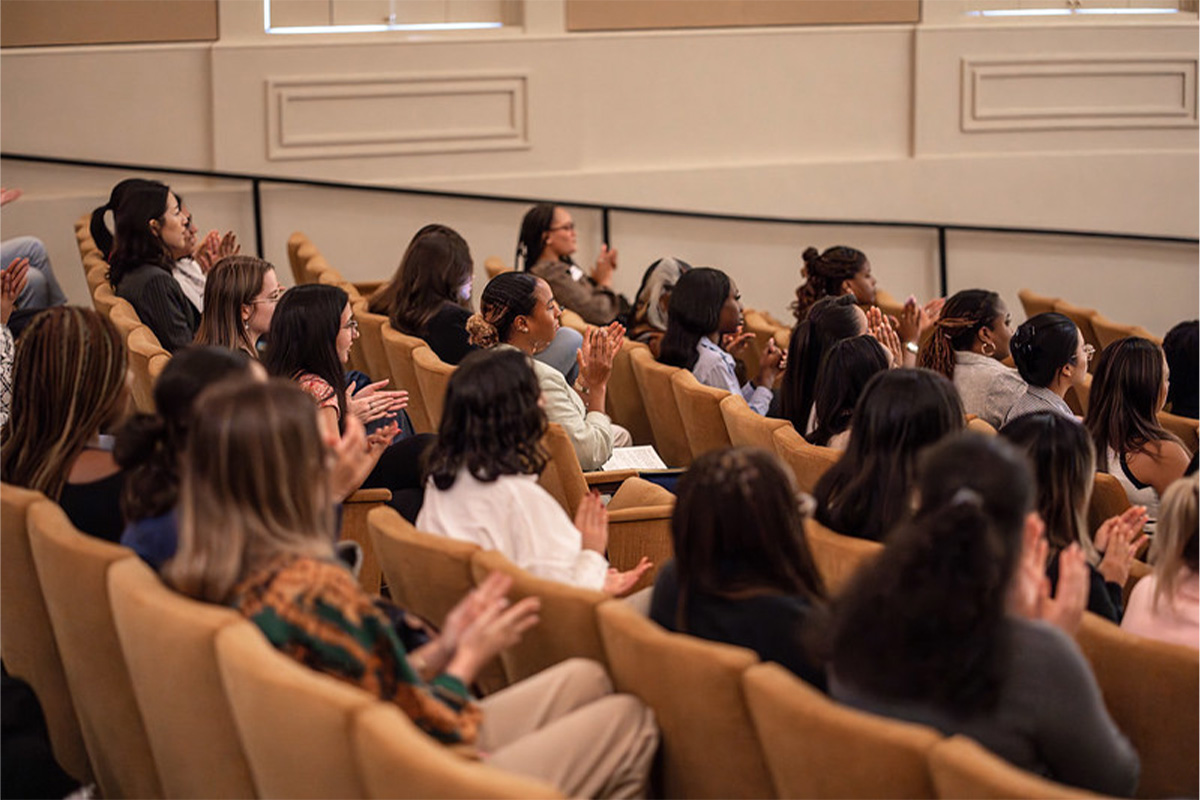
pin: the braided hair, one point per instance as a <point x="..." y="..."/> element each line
<point x="824" y="274"/>
<point x="956" y="328"/>
<point x="507" y="296"/>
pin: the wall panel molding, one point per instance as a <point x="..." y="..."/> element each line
<point x="1093" y="92"/>
<point x="385" y="115"/>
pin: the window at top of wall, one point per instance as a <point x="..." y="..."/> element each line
<point x="377" y="16"/>
<point x="1094" y="9"/>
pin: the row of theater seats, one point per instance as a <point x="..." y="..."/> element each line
<point x="154" y="695"/>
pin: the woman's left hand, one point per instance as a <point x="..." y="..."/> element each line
<point x="881" y="328"/>
<point x="371" y="403"/>
<point x="736" y="343"/>
<point x="606" y="264"/>
<point x="618" y="583"/>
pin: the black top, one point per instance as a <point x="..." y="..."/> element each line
<point x="771" y="625"/>
<point x="161" y="305"/>
<point x="95" y="507"/>
<point x="1104" y="598"/>
<point x="446" y="333"/>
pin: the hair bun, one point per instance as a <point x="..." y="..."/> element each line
<point x="809" y="254"/>
<point x="139" y="439"/>
<point x="481" y="332"/>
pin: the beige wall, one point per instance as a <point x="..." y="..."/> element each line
<point x="1078" y="125"/>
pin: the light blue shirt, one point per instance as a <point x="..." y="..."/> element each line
<point x="714" y="367"/>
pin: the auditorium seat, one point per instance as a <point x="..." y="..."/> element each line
<point x="700" y="412"/>
<point x="837" y="556"/>
<point x="964" y="770"/>
<point x="747" y="428"/>
<point x="398" y="349"/>
<point x="433" y="376"/>
<point x="658" y="398"/>
<point x="808" y="462"/>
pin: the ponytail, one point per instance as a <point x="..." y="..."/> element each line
<point x="824" y="273"/>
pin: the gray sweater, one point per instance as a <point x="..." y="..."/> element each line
<point x="1050" y="718"/>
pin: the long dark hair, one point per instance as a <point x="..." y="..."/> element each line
<point x="531" y="241"/>
<point x="830" y="320"/>
<point x="1044" y="344"/>
<point x="1182" y="348"/>
<point x="101" y="235"/>
<point x="492" y="424"/>
<point x="926" y="622"/>
<point x="738" y="531"/>
<point x="957" y="326"/>
<point x="434" y="268"/>
<point x="845" y="371"/>
<point x="694" y="312"/>
<point x="149" y="445"/>
<point x="900" y="413"/>
<point x="507" y="296"/>
<point x="303" y="337"/>
<point x="136" y="243"/>
<point x="824" y="274"/>
<point x="1123" y="403"/>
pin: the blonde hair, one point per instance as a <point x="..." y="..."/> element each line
<point x="69" y="376"/>
<point x="254" y="487"/>
<point x="1175" y="539"/>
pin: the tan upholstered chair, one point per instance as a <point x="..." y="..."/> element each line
<point x="978" y="425"/>
<point x="169" y="643"/>
<point x="564" y="479"/>
<point x="572" y="320"/>
<point x="658" y="398"/>
<point x="1108" y="331"/>
<point x="494" y="265"/>
<point x="427" y="574"/>
<point x="764" y="329"/>
<point x="709" y="747"/>
<point x="26" y="639"/>
<point x="103" y="299"/>
<point x="300" y="250"/>
<point x="73" y="569"/>
<point x="567" y="625"/>
<point x="818" y="748"/>
<point x="1108" y="500"/>
<point x="746" y="428"/>
<point x="1082" y="317"/>
<point x="700" y="411"/>
<point x="963" y="769"/>
<point x="370" y="328"/>
<point x="398" y="349"/>
<point x="808" y="462"/>
<point x="1185" y="428"/>
<point x="433" y="375"/>
<point x="293" y="721"/>
<point x="838" y="557"/>
<point x="124" y="317"/>
<point x="1152" y="690"/>
<point x="396" y="759"/>
<point x="1077" y="396"/>
<point x="624" y="400"/>
<point x="158" y="362"/>
<point x="355" y="510"/>
<point x="143" y="347"/>
<point x="888" y="303"/>
<point x="1034" y="303"/>
<point x="95" y="270"/>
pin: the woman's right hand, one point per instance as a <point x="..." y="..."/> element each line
<point x="496" y="626"/>
<point x="1065" y="609"/>
<point x="619" y="583"/>
<point x="595" y="357"/>
<point x="1119" y="540"/>
<point x="592" y="521"/>
<point x="606" y="263"/>
<point x="370" y="403"/>
<point x="770" y="364"/>
<point x="881" y="328"/>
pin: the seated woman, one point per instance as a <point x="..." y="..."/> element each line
<point x="649" y="321"/>
<point x="69" y="390"/>
<point x="705" y="306"/>
<point x="1051" y="357"/>
<point x="1181" y="346"/>
<point x="1128" y="390"/>
<point x="240" y="294"/>
<point x="969" y="340"/>
<point x="949" y="627"/>
<point x="1166" y="604"/>
<point x="545" y="247"/>
<point x="845" y="371"/>
<point x="483" y="472"/>
<point x="518" y="310"/>
<point x="151" y="232"/>
<point x="1064" y="467"/>
<point x="311" y="334"/>
<point x="742" y="572"/>
<point x="900" y="413"/>
<point x="256" y="519"/>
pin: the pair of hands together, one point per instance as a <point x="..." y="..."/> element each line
<point x="591" y="519"/>
<point x="595" y="356"/>
<point x="771" y="363"/>
<point x="12" y="283"/>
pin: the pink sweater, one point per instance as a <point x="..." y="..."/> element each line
<point x="1175" y="620"/>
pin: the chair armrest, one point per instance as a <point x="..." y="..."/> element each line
<point x="369" y="496"/>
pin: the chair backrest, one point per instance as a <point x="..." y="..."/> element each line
<point x="808" y="462"/>
<point x="624" y="401"/>
<point x="1108" y="331"/>
<point x="961" y="768"/>
<point x="125" y="317"/>
<point x="1185" y="428"/>
<point x="700" y="411"/>
<point x="433" y="375"/>
<point x="567" y="626"/>
<point x="746" y="428"/>
<point x="370" y="326"/>
<point x="1034" y="303"/>
<point x="1152" y="691"/>
<point x="1082" y="317"/>
<point x="816" y="747"/>
<point x="838" y="557"/>
<point x="158" y="362"/>
<point x="1108" y="500"/>
<point x="83" y="237"/>
<point x="1078" y="394"/>
<point x="355" y="510"/>
<point x="562" y="477"/>
<point x="396" y="759"/>
<point x="299" y="249"/>
<point x="658" y="398"/>
<point x="426" y="573"/>
<point x="978" y="425"/>
<point x="709" y="747"/>
<point x="26" y="638"/>
<point x="143" y="346"/>
<point x="293" y="721"/>
<point x="494" y="265"/>
<point x="398" y="349"/>
<point x="170" y="647"/>
<point x="103" y="298"/>
<point x="73" y="568"/>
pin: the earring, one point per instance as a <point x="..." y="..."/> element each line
<point x="989" y="352"/>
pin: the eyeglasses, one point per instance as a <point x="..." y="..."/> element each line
<point x="352" y="325"/>
<point x="1088" y="351"/>
<point x="570" y="226"/>
<point x="273" y="297"/>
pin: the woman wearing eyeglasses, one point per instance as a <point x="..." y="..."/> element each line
<point x="312" y="331"/>
<point x="1051" y="356"/>
<point x="545" y="248"/>
<point x="240" y="295"/>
